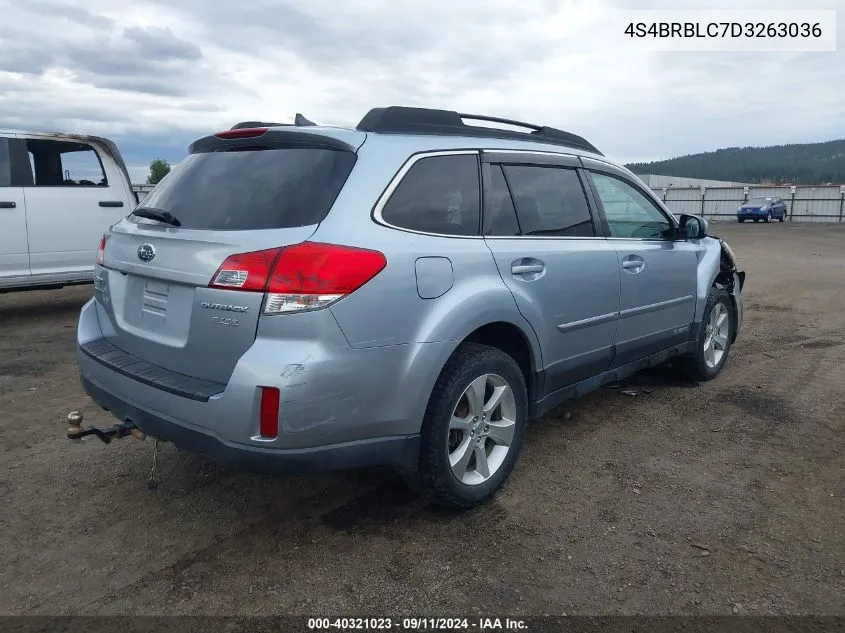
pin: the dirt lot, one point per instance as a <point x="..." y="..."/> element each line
<point x="718" y="498"/>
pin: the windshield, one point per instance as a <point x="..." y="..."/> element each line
<point x="758" y="202"/>
<point x="255" y="189"/>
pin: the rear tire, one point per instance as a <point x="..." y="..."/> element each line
<point x="468" y="448"/>
<point x="740" y="220"/>
<point x="756" y="220"/>
<point x="717" y="331"/>
<point x="782" y="218"/>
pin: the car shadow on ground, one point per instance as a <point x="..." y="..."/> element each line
<point x="26" y="304"/>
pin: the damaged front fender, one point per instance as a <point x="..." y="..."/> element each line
<point x="731" y="279"/>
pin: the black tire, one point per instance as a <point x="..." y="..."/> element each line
<point x="756" y="220"/>
<point x="435" y="475"/>
<point x="782" y="218"/>
<point x="740" y="220"/>
<point x="695" y="367"/>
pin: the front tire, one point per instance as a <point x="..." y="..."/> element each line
<point x="740" y="220"/>
<point x="714" y="339"/>
<point x="473" y="428"/>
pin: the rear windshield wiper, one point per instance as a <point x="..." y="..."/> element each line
<point x="157" y="214"/>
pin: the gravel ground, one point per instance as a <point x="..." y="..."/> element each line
<point x="718" y="498"/>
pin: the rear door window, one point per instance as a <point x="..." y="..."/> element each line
<point x="549" y="201"/>
<point x="64" y="164"/>
<point x="252" y="189"/>
<point x="439" y="194"/>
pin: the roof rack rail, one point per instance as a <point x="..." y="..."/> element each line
<point x="298" y="121"/>
<point x="406" y="120"/>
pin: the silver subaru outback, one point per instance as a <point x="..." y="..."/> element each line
<point x="409" y="293"/>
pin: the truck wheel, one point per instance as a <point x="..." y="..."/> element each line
<point x="714" y="339"/>
<point x="473" y="427"/>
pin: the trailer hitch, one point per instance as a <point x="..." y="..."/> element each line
<point x="106" y="435"/>
<point x="114" y="432"/>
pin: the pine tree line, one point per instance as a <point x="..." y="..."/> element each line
<point x="798" y="164"/>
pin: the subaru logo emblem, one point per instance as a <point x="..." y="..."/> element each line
<point x="146" y="252"/>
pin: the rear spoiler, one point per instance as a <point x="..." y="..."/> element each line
<point x="298" y="121"/>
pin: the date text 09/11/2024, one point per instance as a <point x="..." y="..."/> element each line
<point x="417" y="624"/>
<point x="724" y="29"/>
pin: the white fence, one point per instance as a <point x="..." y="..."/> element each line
<point x="142" y="191"/>
<point x="803" y="204"/>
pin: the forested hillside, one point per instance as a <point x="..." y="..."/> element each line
<point x="810" y="163"/>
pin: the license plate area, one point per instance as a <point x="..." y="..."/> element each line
<point x="155" y="310"/>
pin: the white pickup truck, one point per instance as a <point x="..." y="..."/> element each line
<point x="58" y="194"/>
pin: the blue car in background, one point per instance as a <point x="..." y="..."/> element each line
<point x="766" y="209"/>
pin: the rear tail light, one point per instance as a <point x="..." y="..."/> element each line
<point x="246" y="271"/>
<point x="307" y="276"/>
<point x="101" y="251"/>
<point x="268" y="423"/>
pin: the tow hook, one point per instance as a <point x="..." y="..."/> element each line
<point x="114" y="432"/>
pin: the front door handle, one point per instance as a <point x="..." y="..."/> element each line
<point x="111" y="203"/>
<point x="8" y="205"/>
<point x="524" y="269"/>
<point x="633" y="264"/>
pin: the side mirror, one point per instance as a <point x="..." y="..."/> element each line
<point x="692" y="227"/>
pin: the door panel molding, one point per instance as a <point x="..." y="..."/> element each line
<point x="583" y="323"/>
<point x="653" y="307"/>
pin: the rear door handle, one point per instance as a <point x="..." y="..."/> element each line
<point x="525" y="269"/>
<point x="111" y="203"/>
<point x="633" y="264"/>
<point x="8" y="205"/>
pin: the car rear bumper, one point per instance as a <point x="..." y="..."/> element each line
<point x="400" y="452"/>
<point x="331" y="413"/>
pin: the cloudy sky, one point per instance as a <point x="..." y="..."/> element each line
<point x="155" y="74"/>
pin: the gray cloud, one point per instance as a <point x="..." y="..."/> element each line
<point x="68" y="12"/>
<point x="384" y="34"/>
<point x="144" y="84"/>
<point x="159" y="43"/>
<point x="97" y="51"/>
<point x="24" y="59"/>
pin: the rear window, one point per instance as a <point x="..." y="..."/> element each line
<point x="253" y="189"/>
<point x="439" y="194"/>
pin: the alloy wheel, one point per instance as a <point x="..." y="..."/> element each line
<point x="716" y="335"/>
<point x="481" y="430"/>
